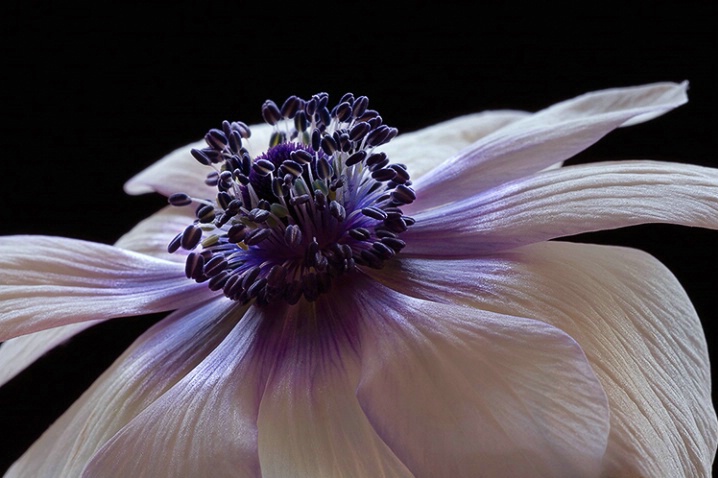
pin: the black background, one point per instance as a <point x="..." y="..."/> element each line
<point x="93" y="94"/>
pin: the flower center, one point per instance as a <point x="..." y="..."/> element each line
<point x="318" y="204"/>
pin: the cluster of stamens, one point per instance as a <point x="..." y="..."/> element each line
<point x="319" y="203"/>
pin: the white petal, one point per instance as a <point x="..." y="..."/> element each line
<point x="205" y="425"/>
<point x="545" y="138"/>
<point x="149" y="237"/>
<point x="53" y="281"/>
<point x="424" y="149"/>
<point x="310" y="422"/>
<point x="18" y="353"/>
<point x="456" y="391"/>
<point x="152" y="236"/>
<point x="176" y="172"/>
<point x="179" y="172"/>
<point x="633" y="320"/>
<point x="152" y="365"/>
<point x="569" y="201"/>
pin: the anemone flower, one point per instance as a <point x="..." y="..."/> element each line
<point x="335" y="316"/>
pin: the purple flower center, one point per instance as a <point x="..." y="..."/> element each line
<point x="318" y="204"/>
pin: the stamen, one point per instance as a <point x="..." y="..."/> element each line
<point x="319" y="203"/>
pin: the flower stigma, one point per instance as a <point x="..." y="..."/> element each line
<point x="319" y="203"/>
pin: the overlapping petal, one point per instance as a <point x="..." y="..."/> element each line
<point x="456" y="391"/>
<point x="569" y="201"/>
<point x="542" y="139"/>
<point x="205" y="424"/>
<point x="481" y="351"/>
<point x="155" y="363"/>
<point x="424" y="149"/>
<point x="310" y="422"/>
<point x="632" y="319"/>
<point x="53" y="281"/>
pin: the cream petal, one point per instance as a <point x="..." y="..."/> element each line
<point x="204" y="425"/>
<point x="18" y="353"/>
<point x="53" y="281"/>
<point x="152" y="236"/>
<point x="180" y="172"/>
<point x="632" y="319"/>
<point x="152" y="365"/>
<point x="310" y="422"/>
<point x="424" y="149"/>
<point x="456" y="391"/>
<point x="568" y="201"/>
<point x="176" y="172"/>
<point x="545" y="138"/>
<point x="149" y="237"/>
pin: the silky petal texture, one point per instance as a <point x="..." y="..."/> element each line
<point x="460" y="392"/>
<point x="205" y="425"/>
<point x="18" y="353"/>
<point x="149" y="237"/>
<point x="545" y="138"/>
<point x="152" y="235"/>
<point x="569" y="201"/>
<point x="310" y="422"/>
<point x="157" y="360"/>
<point x="633" y="320"/>
<point x="53" y="281"/>
<point x="424" y="149"/>
<point x="179" y="172"/>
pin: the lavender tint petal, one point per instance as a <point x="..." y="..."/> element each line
<point x="462" y="392"/>
<point x="53" y="281"/>
<point x="545" y="138"/>
<point x="310" y="422"/>
<point x="428" y="147"/>
<point x="569" y="201"/>
<point x="205" y="424"/>
<point x="149" y="237"/>
<point x="152" y="365"/>
<point x="632" y="319"/>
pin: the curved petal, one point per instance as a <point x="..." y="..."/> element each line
<point x="152" y="365"/>
<point x="18" y="353"/>
<point x="424" y="149"/>
<point x="149" y="237"/>
<point x="545" y="138"/>
<point x="204" y="425"/>
<point x="632" y="319"/>
<point x="460" y="392"/>
<point x="569" y="201"/>
<point x="152" y="236"/>
<point x="180" y="172"/>
<point x="310" y="422"/>
<point x="52" y="281"/>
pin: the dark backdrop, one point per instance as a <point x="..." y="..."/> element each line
<point x="92" y="95"/>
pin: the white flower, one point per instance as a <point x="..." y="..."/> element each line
<point x="465" y="344"/>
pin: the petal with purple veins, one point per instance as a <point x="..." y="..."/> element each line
<point x="543" y="139"/>
<point x="568" y="201"/>
<point x="155" y="363"/>
<point x="53" y="281"/>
